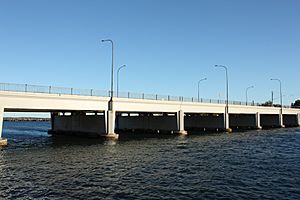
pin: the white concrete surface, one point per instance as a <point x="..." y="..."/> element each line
<point x="21" y="101"/>
<point x="258" y="125"/>
<point x="180" y="123"/>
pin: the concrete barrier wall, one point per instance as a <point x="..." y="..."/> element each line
<point x="208" y="121"/>
<point x="242" y="121"/>
<point x="165" y="123"/>
<point x="290" y="120"/>
<point x="80" y="123"/>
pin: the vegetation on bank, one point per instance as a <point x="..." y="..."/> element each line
<point x="296" y="104"/>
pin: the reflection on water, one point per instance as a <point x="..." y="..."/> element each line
<point x="250" y="165"/>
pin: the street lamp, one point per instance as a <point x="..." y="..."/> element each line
<point x="247" y="93"/>
<point x="118" y="79"/>
<point x="226" y="109"/>
<point x="199" y="84"/>
<point x="275" y="79"/>
<point x="112" y="73"/>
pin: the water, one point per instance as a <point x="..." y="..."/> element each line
<point x="250" y="165"/>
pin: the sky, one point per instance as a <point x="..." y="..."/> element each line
<point x="167" y="45"/>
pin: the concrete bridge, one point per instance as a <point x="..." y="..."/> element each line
<point x="87" y="111"/>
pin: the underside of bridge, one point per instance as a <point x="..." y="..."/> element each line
<point x="270" y="121"/>
<point x="90" y="124"/>
<point x="243" y="121"/>
<point x="146" y="122"/>
<point x="291" y="120"/>
<point x="204" y="122"/>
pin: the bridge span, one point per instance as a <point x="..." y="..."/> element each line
<point x="89" y="114"/>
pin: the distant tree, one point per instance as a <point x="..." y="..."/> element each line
<point x="296" y="104"/>
<point x="270" y="104"/>
<point x="267" y="103"/>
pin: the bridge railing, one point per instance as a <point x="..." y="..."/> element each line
<point x="102" y="93"/>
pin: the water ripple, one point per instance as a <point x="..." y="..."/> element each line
<point x="248" y="165"/>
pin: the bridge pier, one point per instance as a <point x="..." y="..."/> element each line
<point x="3" y="141"/>
<point x="226" y="123"/>
<point x="110" y="125"/>
<point x="257" y="117"/>
<point x="180" y="123"/>
<point x="281" y="122"/>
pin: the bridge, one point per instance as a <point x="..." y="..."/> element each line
<point x="87" y="112"/>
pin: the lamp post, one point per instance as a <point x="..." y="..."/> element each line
<point x="112" y="73"/>
<point x="198" y="86"/>
<point x="280" y="116"/>
<point x="118" y="78"/>
<point x="111" y="115"/>
<point x="226" y="109"/>
<point x="247" y="93"/>
<point x="280" y="92"/>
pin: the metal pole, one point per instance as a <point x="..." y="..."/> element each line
<point x="198" y="86"/>
<point x="226" y="85"/>
<point x="272" y="98"/>
<point x="275" y="79"/>
<point x="112" y="73"/>
<point x="247" y="93"/>
<point x="226" y="109"/>
<point x="118" y="79"/>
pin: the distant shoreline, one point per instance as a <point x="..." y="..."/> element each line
<point x="25" y="119"/>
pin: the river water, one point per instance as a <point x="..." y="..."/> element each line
<point x="243" y="165"/>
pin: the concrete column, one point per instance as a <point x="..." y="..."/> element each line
<point x="298" y="119"/>
<point x="3" y="141"/>
<point x="110" y="125"/>
<point x="281" y="121"/>
<point x="258" y="126"/>
<point x="226" y="123"/>
<point x="180" y="123"/>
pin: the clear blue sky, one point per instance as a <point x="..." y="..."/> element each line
<point x="167" y="45"/>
